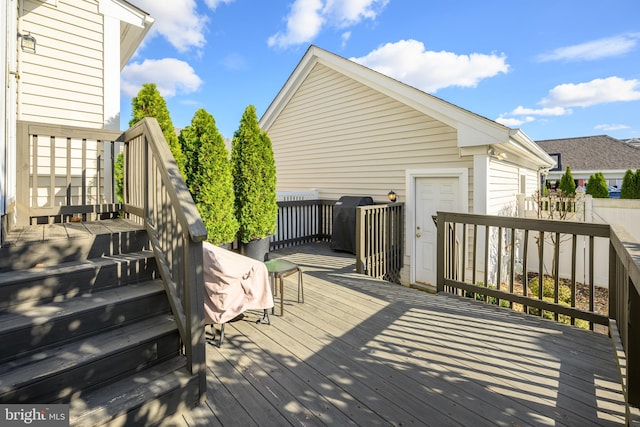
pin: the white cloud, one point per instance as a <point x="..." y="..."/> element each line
<point x="213" y="4"/>
<point x="177" y="21"/>
<point x="551" y="111"/>
<point x="409" y="62"/>
<point x="170" y="75"/>
<point x="514" y="122"/>
<point x="345" y="13"/>
<point x="562" y="97"/>
<point x="308" y="17"/>
<point x="598" y="91"/>
<point x="345" y="38"/>
<point x="611" y="127"/>
<point x="303" y="24"/>
<point x="595" y="49"/>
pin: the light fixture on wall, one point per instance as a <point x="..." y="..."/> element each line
<point x="496" y="154"/>
<point x="392" y="196"/>
<point x="27" y="42"/>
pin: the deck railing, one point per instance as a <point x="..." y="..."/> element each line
<point x="379" y="240"/>
<point x="504" y="260"/>
<point x="156" y="194"/>
<point x="302" y="221"/>
<point x="64" y="173"/>
<point x="378" y="233"/>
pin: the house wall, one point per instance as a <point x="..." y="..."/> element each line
<point x="8" y="74"/>
<point x="506" y="180"/>
<point x="62" y="82"/>
<point x="341" y="137"/>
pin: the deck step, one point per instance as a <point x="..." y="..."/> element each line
<point x="52" y="244"/>
<point x="38" y="327"/>
<point x="57" y="374"/>
<point x="85" y="320"/>
<point x="37" y="285"/>
<point x="146" y="399"/>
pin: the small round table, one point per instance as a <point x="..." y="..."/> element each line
<point x="278" y="270"/>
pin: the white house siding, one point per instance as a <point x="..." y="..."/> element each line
<point x="62" y="82"/>
<point x="504" y="185"/>
<point x="340" y="137"/>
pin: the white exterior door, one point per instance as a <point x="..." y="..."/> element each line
<point x="432" y="195"/>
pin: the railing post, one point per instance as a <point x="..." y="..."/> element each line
<point x="360" y="238"/>
<point x="195" y="314"/>
<point x="22" y="202"/>
<point x="441" y="253"/>
<point x="633" y="344"/>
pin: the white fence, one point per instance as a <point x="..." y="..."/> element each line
<point x="583" y="208"/>
<point x="288" y="196"/>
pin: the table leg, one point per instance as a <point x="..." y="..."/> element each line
<point x="281" y="296"/>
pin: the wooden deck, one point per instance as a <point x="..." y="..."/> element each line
<point x="361" y="351"/>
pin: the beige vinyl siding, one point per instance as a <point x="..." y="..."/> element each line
<point x="341" y="137"/>
<point x="504" y="185"/>
<point x="532" y="182"/>
<point x="62" y="82"/>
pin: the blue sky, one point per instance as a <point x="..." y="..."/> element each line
<point x="553" y="68"/>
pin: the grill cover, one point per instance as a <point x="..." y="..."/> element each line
<point x="343" y="234"/>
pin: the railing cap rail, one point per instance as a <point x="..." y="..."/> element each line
<point x="546" y="225"/>
<point x="628" y="250"/>
<point x="39" y="128"/>
<point x="188" y="214"/>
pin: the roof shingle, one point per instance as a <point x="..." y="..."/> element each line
<point x="599" y="152"/>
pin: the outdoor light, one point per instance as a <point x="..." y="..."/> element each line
<point x="392" y="196"/>
<point x="27" y="42"/>
<point x="497" y="154"/>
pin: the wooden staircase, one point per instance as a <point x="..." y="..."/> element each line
<point x="85" y="320"/>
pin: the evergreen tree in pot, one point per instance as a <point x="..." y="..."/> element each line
<point x="149" y="103"/>
<point x="208" y="177"/>
<point x="254" y="183"/>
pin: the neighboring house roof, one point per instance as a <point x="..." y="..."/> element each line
<point x="472" y="129"/>
<point x="593" y="153"/>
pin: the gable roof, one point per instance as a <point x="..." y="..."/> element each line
<point x="599" y="152"/>
<point x="473" y="130"/>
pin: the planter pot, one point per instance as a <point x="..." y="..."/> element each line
<point x="256" y="249"/>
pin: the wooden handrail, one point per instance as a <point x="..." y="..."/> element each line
<point x="188" y="214"/>
<point x="624" y="311"/>
<point x="156" y="193"/>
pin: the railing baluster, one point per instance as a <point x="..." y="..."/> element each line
<point x="541" y="270"/>
<point x="556" y="275"/>
<point x="525" y="276"/>
<point x="573" y="274"/>
<point x="591" y="282"/>
<point x="486" y="261"/>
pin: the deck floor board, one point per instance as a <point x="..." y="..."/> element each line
<point x="362" y="351"/>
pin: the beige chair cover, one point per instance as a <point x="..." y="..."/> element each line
<point x="233" y="283"/>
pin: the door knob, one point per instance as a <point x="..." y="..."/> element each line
<point x="418" y="235"/>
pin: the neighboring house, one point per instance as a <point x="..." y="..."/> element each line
<point x="344" y="129"/>
<point x="62" y="66"/>
<point x="590" y="154"/>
